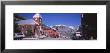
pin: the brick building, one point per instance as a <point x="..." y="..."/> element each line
<point x="36" y="27"/>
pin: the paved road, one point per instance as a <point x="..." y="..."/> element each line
<point x="47" y="38"/>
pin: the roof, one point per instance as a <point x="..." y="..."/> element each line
<point x="24" y="22"/>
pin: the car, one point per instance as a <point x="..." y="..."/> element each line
<point x="19" y="36"/>
<point x="78" y="34"/>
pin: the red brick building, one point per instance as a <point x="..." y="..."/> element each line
<point x="36" y="27"/>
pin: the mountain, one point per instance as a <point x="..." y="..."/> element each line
<point x="72" y="27"/>
<point x="45" y="26"/>
<point x="65" y="31"/>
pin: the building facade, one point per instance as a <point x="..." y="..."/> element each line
<point x="89" y="25"/>
<point x="34" y="27"/>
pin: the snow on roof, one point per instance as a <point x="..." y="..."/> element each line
<point x="28" y="21"/>
<point x="37" y="15"/>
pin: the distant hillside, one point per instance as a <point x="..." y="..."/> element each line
<point x="64" y="30"/>
<point x="68" y="31"/>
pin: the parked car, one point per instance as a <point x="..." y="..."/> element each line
<point x="78" y="34"/>
<point x="19" y="36"/>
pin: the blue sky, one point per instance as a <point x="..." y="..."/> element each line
<point x="52" y="19"/>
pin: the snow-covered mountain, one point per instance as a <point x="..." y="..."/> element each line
<point x="64" y="26"/>
<point x="72" y="27"/>
<point x="64" y="30"/>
